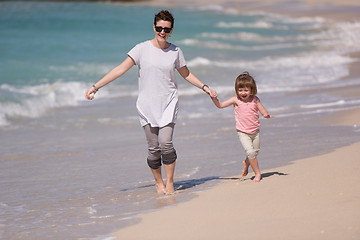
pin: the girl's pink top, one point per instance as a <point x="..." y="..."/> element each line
<point x="247" y="116"/>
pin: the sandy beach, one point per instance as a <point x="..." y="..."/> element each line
<point x="312" y="198"/>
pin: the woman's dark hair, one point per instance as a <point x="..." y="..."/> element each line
<point x="164" y="15"/>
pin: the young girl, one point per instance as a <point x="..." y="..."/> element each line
<point x="246" y="106"/>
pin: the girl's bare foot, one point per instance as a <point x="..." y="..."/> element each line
<point x="245" y="170"/>
<point x="255" y="166"/>
<point x="257" y="178"/>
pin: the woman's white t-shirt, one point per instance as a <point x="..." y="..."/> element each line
<point x="157" y="102"/>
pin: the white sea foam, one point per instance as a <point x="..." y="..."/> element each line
<point x="88" y="68"/>
<point x="332" y="104"/>
<point x="34" y="101"/>
<point x="227" y="46"/>
<point x="109" y="238"/>
<point x="285" y="73"/>
<point x="242" y="36"/>
<point x="257" y="24"/>
<point x="344" y="36"/>
<point x="341" y="37"/>
<point x="218" y="8"/>
<point x="253" y="37"/>
<point x="189" y="173"/>
<point x="310" y="22"/>
<point x="316" y="22"/>
<point x="306" y="60"/>
<point x="91" y="210"/>
<point x="315" y="111"/>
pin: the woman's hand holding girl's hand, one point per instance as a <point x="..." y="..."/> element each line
<point x="89" y="94"/>
<point x="211" y="92"/>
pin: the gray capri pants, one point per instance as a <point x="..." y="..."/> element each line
<point x="251" y="143"/>
<point x="160" y="146"/>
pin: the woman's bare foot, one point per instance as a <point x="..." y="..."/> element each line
<point x="245" y="170"/>
<point x="169" y="172"/>
<point x="169" y="189"/>
<point x="160" y="188"/>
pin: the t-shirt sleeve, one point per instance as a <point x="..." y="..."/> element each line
<point x="180" y="61"/>
<point x="134" y="53"/>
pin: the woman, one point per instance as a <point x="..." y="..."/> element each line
<point x="157" y="102"/>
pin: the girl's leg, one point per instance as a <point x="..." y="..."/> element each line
<point x="251" y="144"/>
<point x="246" y="165"/>
<point x="168" y="154"/>
<point x="255" y="166"/>
<point x="254" y="163"/>
<point x="154" y="157"/>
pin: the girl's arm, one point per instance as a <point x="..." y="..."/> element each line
<point x="262" y="109"/>
<point x="111" y="76"/>
<point x="191" y="78"/>
<point x="226" y="103"/>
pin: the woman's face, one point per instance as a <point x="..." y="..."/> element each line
<point x="162" y="30"/>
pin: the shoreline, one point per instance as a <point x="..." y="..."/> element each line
<point x="293" y="201"/>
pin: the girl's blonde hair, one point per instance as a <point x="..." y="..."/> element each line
<point x="245" y="80"/>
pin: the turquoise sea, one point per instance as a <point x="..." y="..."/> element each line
<point x="76" y="169"/>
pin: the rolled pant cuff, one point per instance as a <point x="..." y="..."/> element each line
<point x="154" y="164"/>
<point x="169" y="158"/>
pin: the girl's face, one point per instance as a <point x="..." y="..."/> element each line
<point x="244" y="93"/>
<point x="162" y="30"/>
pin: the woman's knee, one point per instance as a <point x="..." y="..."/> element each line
<point x="155" y="161"/>
<point x="166" y="147"/>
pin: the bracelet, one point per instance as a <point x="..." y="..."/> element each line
<point x="96" y="89"/>
<point x="204" y="87"/>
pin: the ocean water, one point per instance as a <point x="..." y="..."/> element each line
<point x="76" y="169"/>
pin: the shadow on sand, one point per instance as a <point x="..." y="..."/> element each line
<point x="187" y="184"/>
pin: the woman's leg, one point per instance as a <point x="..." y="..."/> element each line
<point x="169" y="173"/>
<point x="154" y="156"/>
<point x="159" y="183"/>
<point x="168" y="155"/>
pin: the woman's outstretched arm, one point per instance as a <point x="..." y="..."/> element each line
<point x="111" y="76"/>
<point x="191" y="78"/>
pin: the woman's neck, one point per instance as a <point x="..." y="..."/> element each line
<point x="161" y="45"/>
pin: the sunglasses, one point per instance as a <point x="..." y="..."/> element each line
<point x="166" y="29"/>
